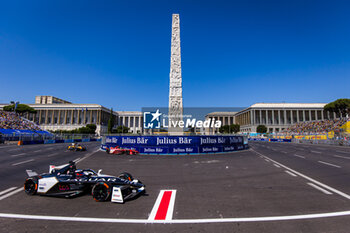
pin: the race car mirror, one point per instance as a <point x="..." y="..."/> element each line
<point x="99" y="172"/>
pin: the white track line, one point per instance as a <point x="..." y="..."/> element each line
<point x="178" y="221"/>
<point x="37" y="151"/>
<point x="26" y="161"/>
<point x="300" y="156"/>
<point x="329" y="164"/>
<point x="338" y="156"/>
<point x="7" y="190"/>
<point x="11" y="193"/>
<point x="342" y="151"/>
<point x="76" y="160"/>
<point x="18" y="155"/>
<point x="318" y="152"/>
<point x="87" y="156"/>
<point x="267" y="160"/>
<point x="14" y="149"/>
<point x="50" y="155"/>
<point x="308" y="178"/>
<point x="319" y="188"/>
<point x="290" y="173"/>
<point x="276" y="165"/>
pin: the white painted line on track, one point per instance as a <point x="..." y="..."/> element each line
<point x="50" y="155"/>
<point x="300" y="156"/>
<point x="290" y="173"/>
<point x="178" y="221"/>
<point x="342" y="151"/>
<point x="76" y="160"/>
<point x="37" y="151"/>
<point x="267" y="160"/>
<point x="26" y="161"/>
<point x="18" y="155"/>
<point x="164" y="206"/>
<point x="11" y="193"/>
<point x="308" y="178"/>
<point x="317" y="152"/>
<point x="284" y="152"/>
<point x="276" y="165"/>
<point x="88" y="155"/>
<point x="7" y="190"/>
<point x="329" y="164"/>
<point x="338" y="156"/>
<point x="14" y="149"/>
<point x="319" y="188"/>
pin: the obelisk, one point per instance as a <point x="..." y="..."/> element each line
<point x="175" y="86"/>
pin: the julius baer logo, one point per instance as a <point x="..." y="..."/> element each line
<point x="154" y="120"/>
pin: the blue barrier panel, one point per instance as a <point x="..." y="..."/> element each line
<point x="69" y="140"/>
<point x="179" y="144"/>
<point x="33" y="142"/>
<point x="49" y="141"/>
<point x="86" y="140"/>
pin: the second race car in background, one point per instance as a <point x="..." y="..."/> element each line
<point x="119" y="151"/>
<point x="76" y="147"/>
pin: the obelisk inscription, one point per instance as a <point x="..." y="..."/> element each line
<point x="175" y="87"/>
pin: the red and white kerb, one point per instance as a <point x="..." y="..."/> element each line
<point x="164" y="207"/>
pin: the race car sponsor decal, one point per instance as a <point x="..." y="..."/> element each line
<point x="45" y="184"/>
<point x="117" y="195"/>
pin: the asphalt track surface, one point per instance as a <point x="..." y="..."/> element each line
<point x="272" y="187"/>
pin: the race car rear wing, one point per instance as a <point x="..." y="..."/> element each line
<point x="31" y="173"/>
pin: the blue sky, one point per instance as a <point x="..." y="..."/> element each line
<point x="117" y="53"/>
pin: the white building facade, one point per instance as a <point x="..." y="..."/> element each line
<point x="279" y="116"/>
<point x="56" y="114"/>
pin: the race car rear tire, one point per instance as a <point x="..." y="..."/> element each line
<point x="101" y="192"/>
<point x="107" y="150"/>
<point x="126" y="176"/>
<point x="31" y="186"/>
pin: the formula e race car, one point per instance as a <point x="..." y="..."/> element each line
<point x="68" y="181"/>
<point x="76" y="147"/>
<point x="119" y="151"/>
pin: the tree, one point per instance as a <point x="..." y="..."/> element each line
<point x="121" y="129"/>
<point x="88" y="129"/>
<point x="224" y="129"/>
<point x="110" y="122"/>
<point x="261" y="129"/>
<point x="234" y="128"/>
<point x="341" y="106"/>
<point x="21" y="108"/>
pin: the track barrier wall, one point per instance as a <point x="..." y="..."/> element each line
<point x="178" y="144"/>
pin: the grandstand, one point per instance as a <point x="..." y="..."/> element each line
<point x="15" y="125"/>
<point x="317" y="127"/>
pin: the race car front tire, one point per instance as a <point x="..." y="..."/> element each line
<point x="126" y="176"/>
<point x="31" y="186"/>
<point x="101" y="191"/>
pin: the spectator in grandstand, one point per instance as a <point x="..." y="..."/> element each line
<point x="317" y="127"/>
<point x="10" y="120"/>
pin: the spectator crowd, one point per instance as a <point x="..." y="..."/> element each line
<point x="11" y="120"/>
<point x="317" y="127"/>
